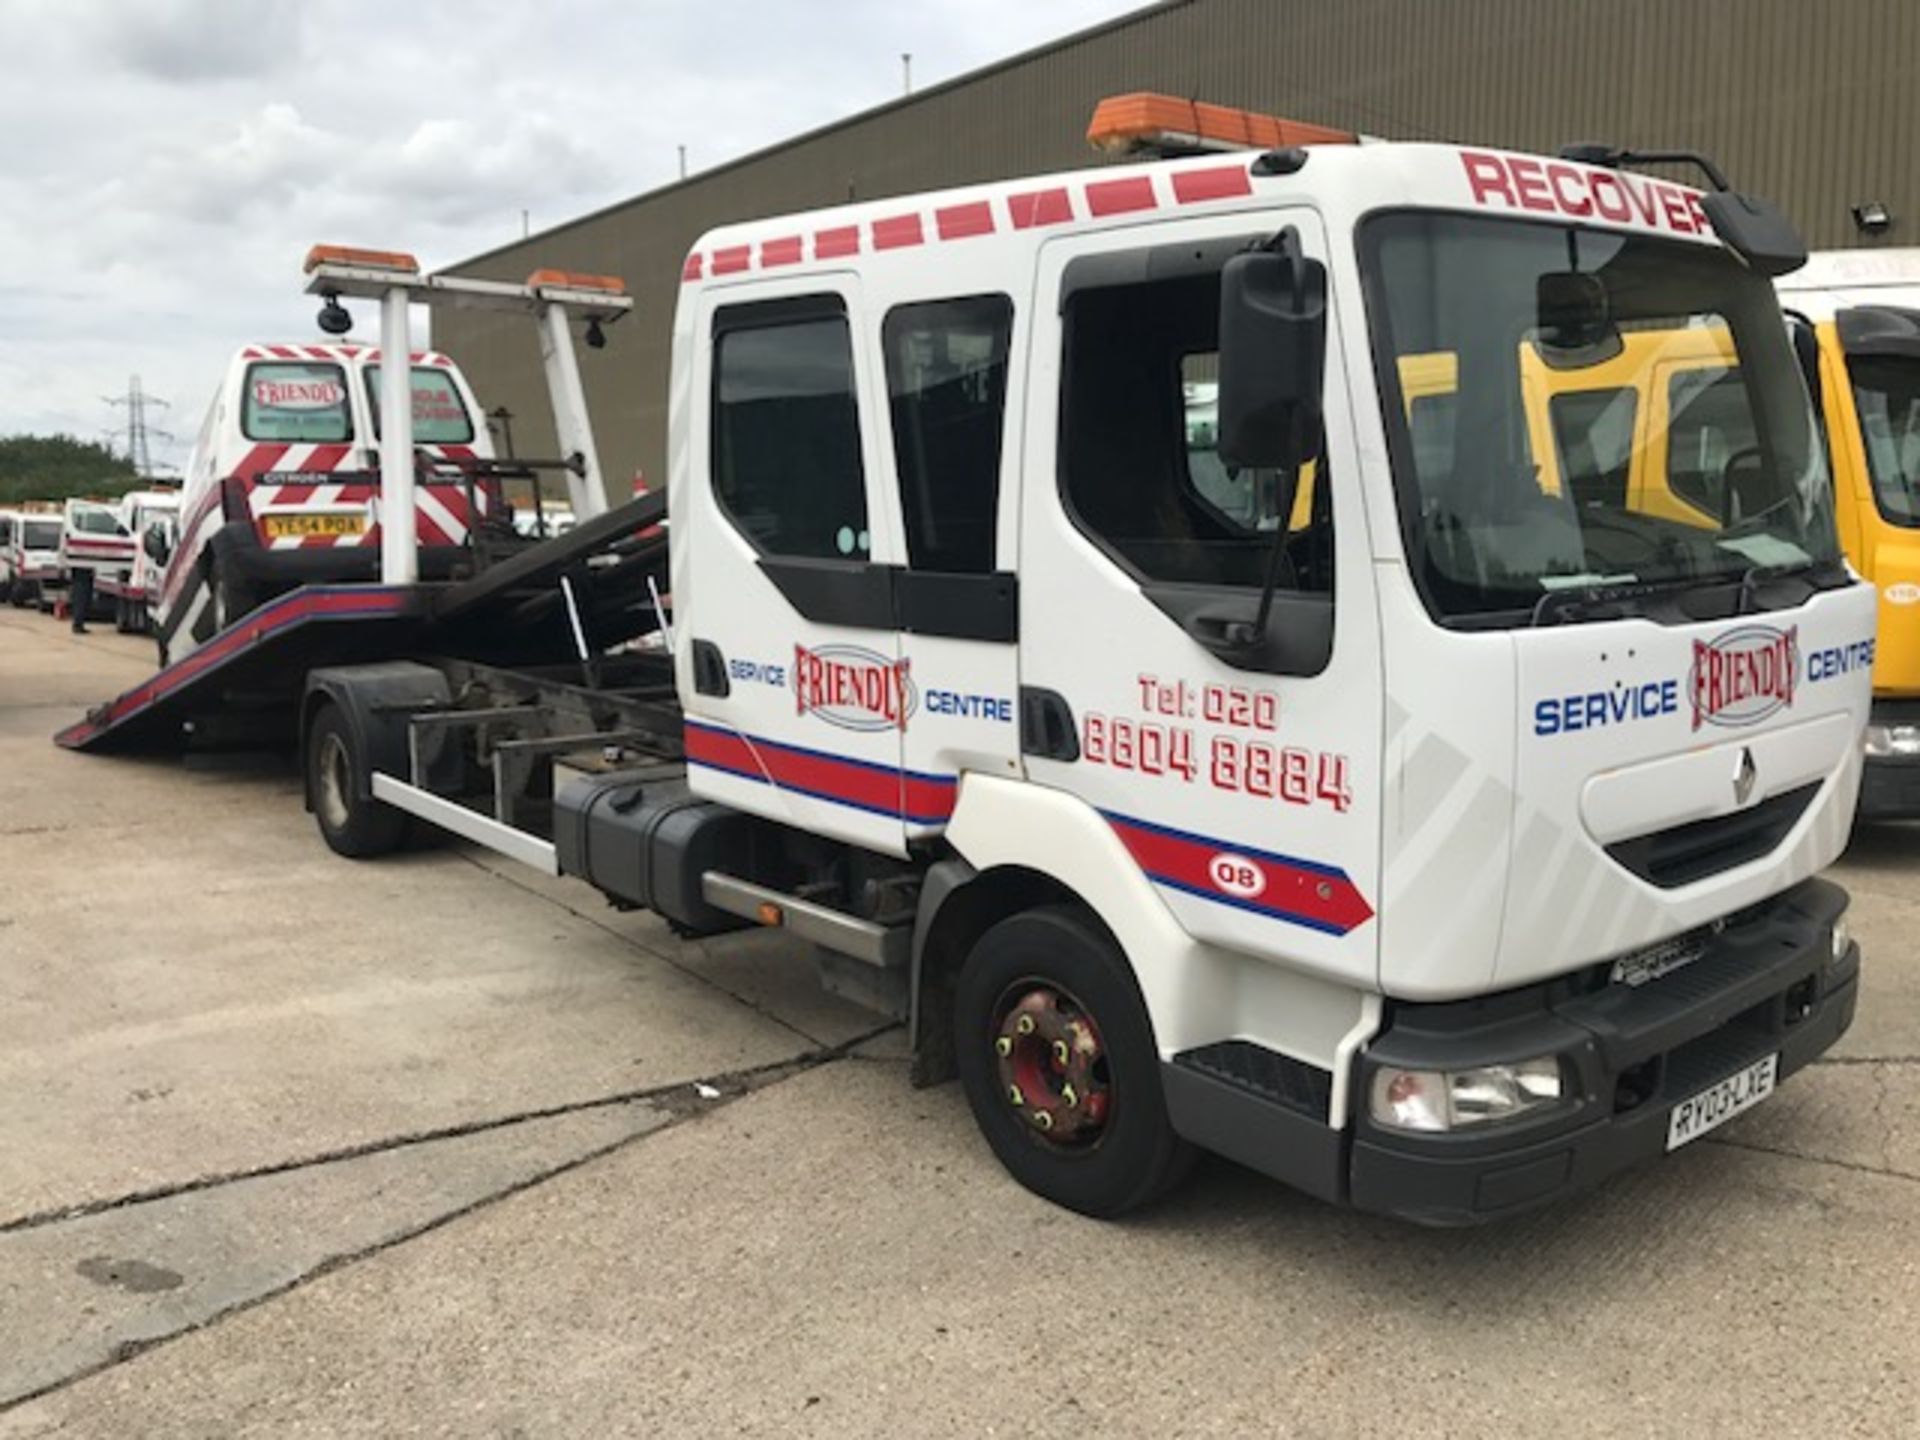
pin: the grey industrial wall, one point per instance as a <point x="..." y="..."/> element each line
<point x="1814" y="103"/>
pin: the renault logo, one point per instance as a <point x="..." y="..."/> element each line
<point x="1744" y="774"/>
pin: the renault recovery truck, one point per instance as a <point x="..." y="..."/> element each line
<point x="1439" y="849"/>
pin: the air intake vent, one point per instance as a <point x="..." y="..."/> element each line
<point x="1685" y="853"/>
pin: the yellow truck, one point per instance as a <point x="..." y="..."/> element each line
<point x="1656" y="428"/>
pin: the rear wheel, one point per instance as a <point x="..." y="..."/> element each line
<point x="351" y="821"/>
<point x="1057" y="1058"/>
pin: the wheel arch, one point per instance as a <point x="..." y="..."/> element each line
<point x="377" y="701"/>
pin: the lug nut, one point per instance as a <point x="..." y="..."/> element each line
<point x="1003" y="1047"/>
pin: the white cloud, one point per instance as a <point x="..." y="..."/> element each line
<point x="169" y="161"/>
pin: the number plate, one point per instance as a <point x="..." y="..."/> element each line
<point x="1717" y="1104"/>
<point x="281" y="526"/>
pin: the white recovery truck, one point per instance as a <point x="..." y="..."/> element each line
<point x="1342" y="799"/>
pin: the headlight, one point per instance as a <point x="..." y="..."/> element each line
<point x="1838" y="939"/>
<point x="1436" y="1100"/>
<point x="1886" y="741"/>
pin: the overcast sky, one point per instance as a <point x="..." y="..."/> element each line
<point x="166" y="163"/>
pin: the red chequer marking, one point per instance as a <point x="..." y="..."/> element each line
<point x="1040" y="207"/>
<point x="1117" y="197"/>
<point x="784" y="251"/>
<point x="895" y="231"/>
<point x="1220" y="183"/>
<point x="956" y="222"/>
<point x="841" y="240"/>
<point x="732" y="260"/>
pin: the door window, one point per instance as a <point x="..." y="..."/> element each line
<point x="1593" y="431"/>
<point x="296" y="402"/>
<point x="947" y="389"/>
<point x="1140" y="470"/>
<point x="786" y="429"/>
<point x="1709" y="422"/>
<point x="439" y="414"/>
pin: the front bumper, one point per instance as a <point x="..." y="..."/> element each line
<point x="1766" y="983"/>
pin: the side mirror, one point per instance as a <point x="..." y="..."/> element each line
<point x="154" y="542"/>
<point x="1756" y="231"/>
<point x="1273" y="349"/>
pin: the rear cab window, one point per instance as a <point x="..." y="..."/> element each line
<point x="296" y="401"/>
<point x="440" y="415"/>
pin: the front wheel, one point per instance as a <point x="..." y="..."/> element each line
<point x="232" y="597"/>
<point x="352" y="822"/>
<point x="1057" y="1058"/>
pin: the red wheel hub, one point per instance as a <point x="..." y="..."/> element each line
<point x="1052" y="1064"/>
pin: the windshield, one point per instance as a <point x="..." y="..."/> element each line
<point x="439" y="416"/>
<point x="1626" y="414"/>
<point x="1886" y="394"/>
<point x="41" y="535"/>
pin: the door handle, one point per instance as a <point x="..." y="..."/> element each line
<point x="710" y="669"/>
<point x="1047" y="726"/>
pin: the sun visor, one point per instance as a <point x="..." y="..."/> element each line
<point x="1879" y="330"/>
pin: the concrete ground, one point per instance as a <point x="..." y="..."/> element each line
<point x="292" y="1146"/>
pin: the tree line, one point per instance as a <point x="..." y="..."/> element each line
<point x="60" y="467"/>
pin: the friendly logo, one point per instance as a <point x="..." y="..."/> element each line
<point x="1903" y="593"/>
<point x="1237" y="875"/>
<point x="1742" y="677"/>
<point x="852" y="687"/>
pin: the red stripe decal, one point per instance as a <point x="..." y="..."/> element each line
<point x="882" y="789"/>
<point x="252" y="352"/>
<point x="286" y="497"/>
<point x="957" y="222"/>
<point x="327" y="457"/>
<point x="784" y="251"/>
<point x="1301" y="892"/>
<point x="1220" y="183"/>
<point x="1117" y="197"/>
<point x="318" y="352"/>
<point x="1040" y="207"/>
<point x="285" y="352"/>
<point x="691" y="270"/>
<point x="896" y="231"/>
<point x="841" y="240"/>
<point x="258" y="460"/>
<point x="732" y="260"/>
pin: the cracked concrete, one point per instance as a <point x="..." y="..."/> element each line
<point x="290" y="1146"/>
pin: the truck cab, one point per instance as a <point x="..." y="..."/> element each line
<point x="282" y="486"/>
<point x="94" y="537"/>
<point x="1392" y="826"/>
<point x="150" y="519"/>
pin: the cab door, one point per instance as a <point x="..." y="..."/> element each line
<point x="1248" y="796"/>
<point x="788" y="658"/>
<point x="951" y="363"/>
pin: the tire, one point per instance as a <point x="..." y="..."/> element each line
<point x="1035" y="982"/>
<point x="122" y="618"/>
<point x="336" y="770"/>
<point x="232" y="597"/>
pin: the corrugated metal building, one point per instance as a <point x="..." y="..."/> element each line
<point x="1814" y="105"/>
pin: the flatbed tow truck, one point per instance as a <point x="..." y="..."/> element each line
<point x="1343" y="799"/>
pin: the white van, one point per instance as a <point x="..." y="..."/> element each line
<point x="282" y="488"/>
<point x="31" y="554"/>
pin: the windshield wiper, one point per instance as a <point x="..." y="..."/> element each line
<point x="1587" y="601"/>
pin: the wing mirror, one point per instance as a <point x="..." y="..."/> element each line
<point x="1273" y="347"/>
<point x="154" y="542"/>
